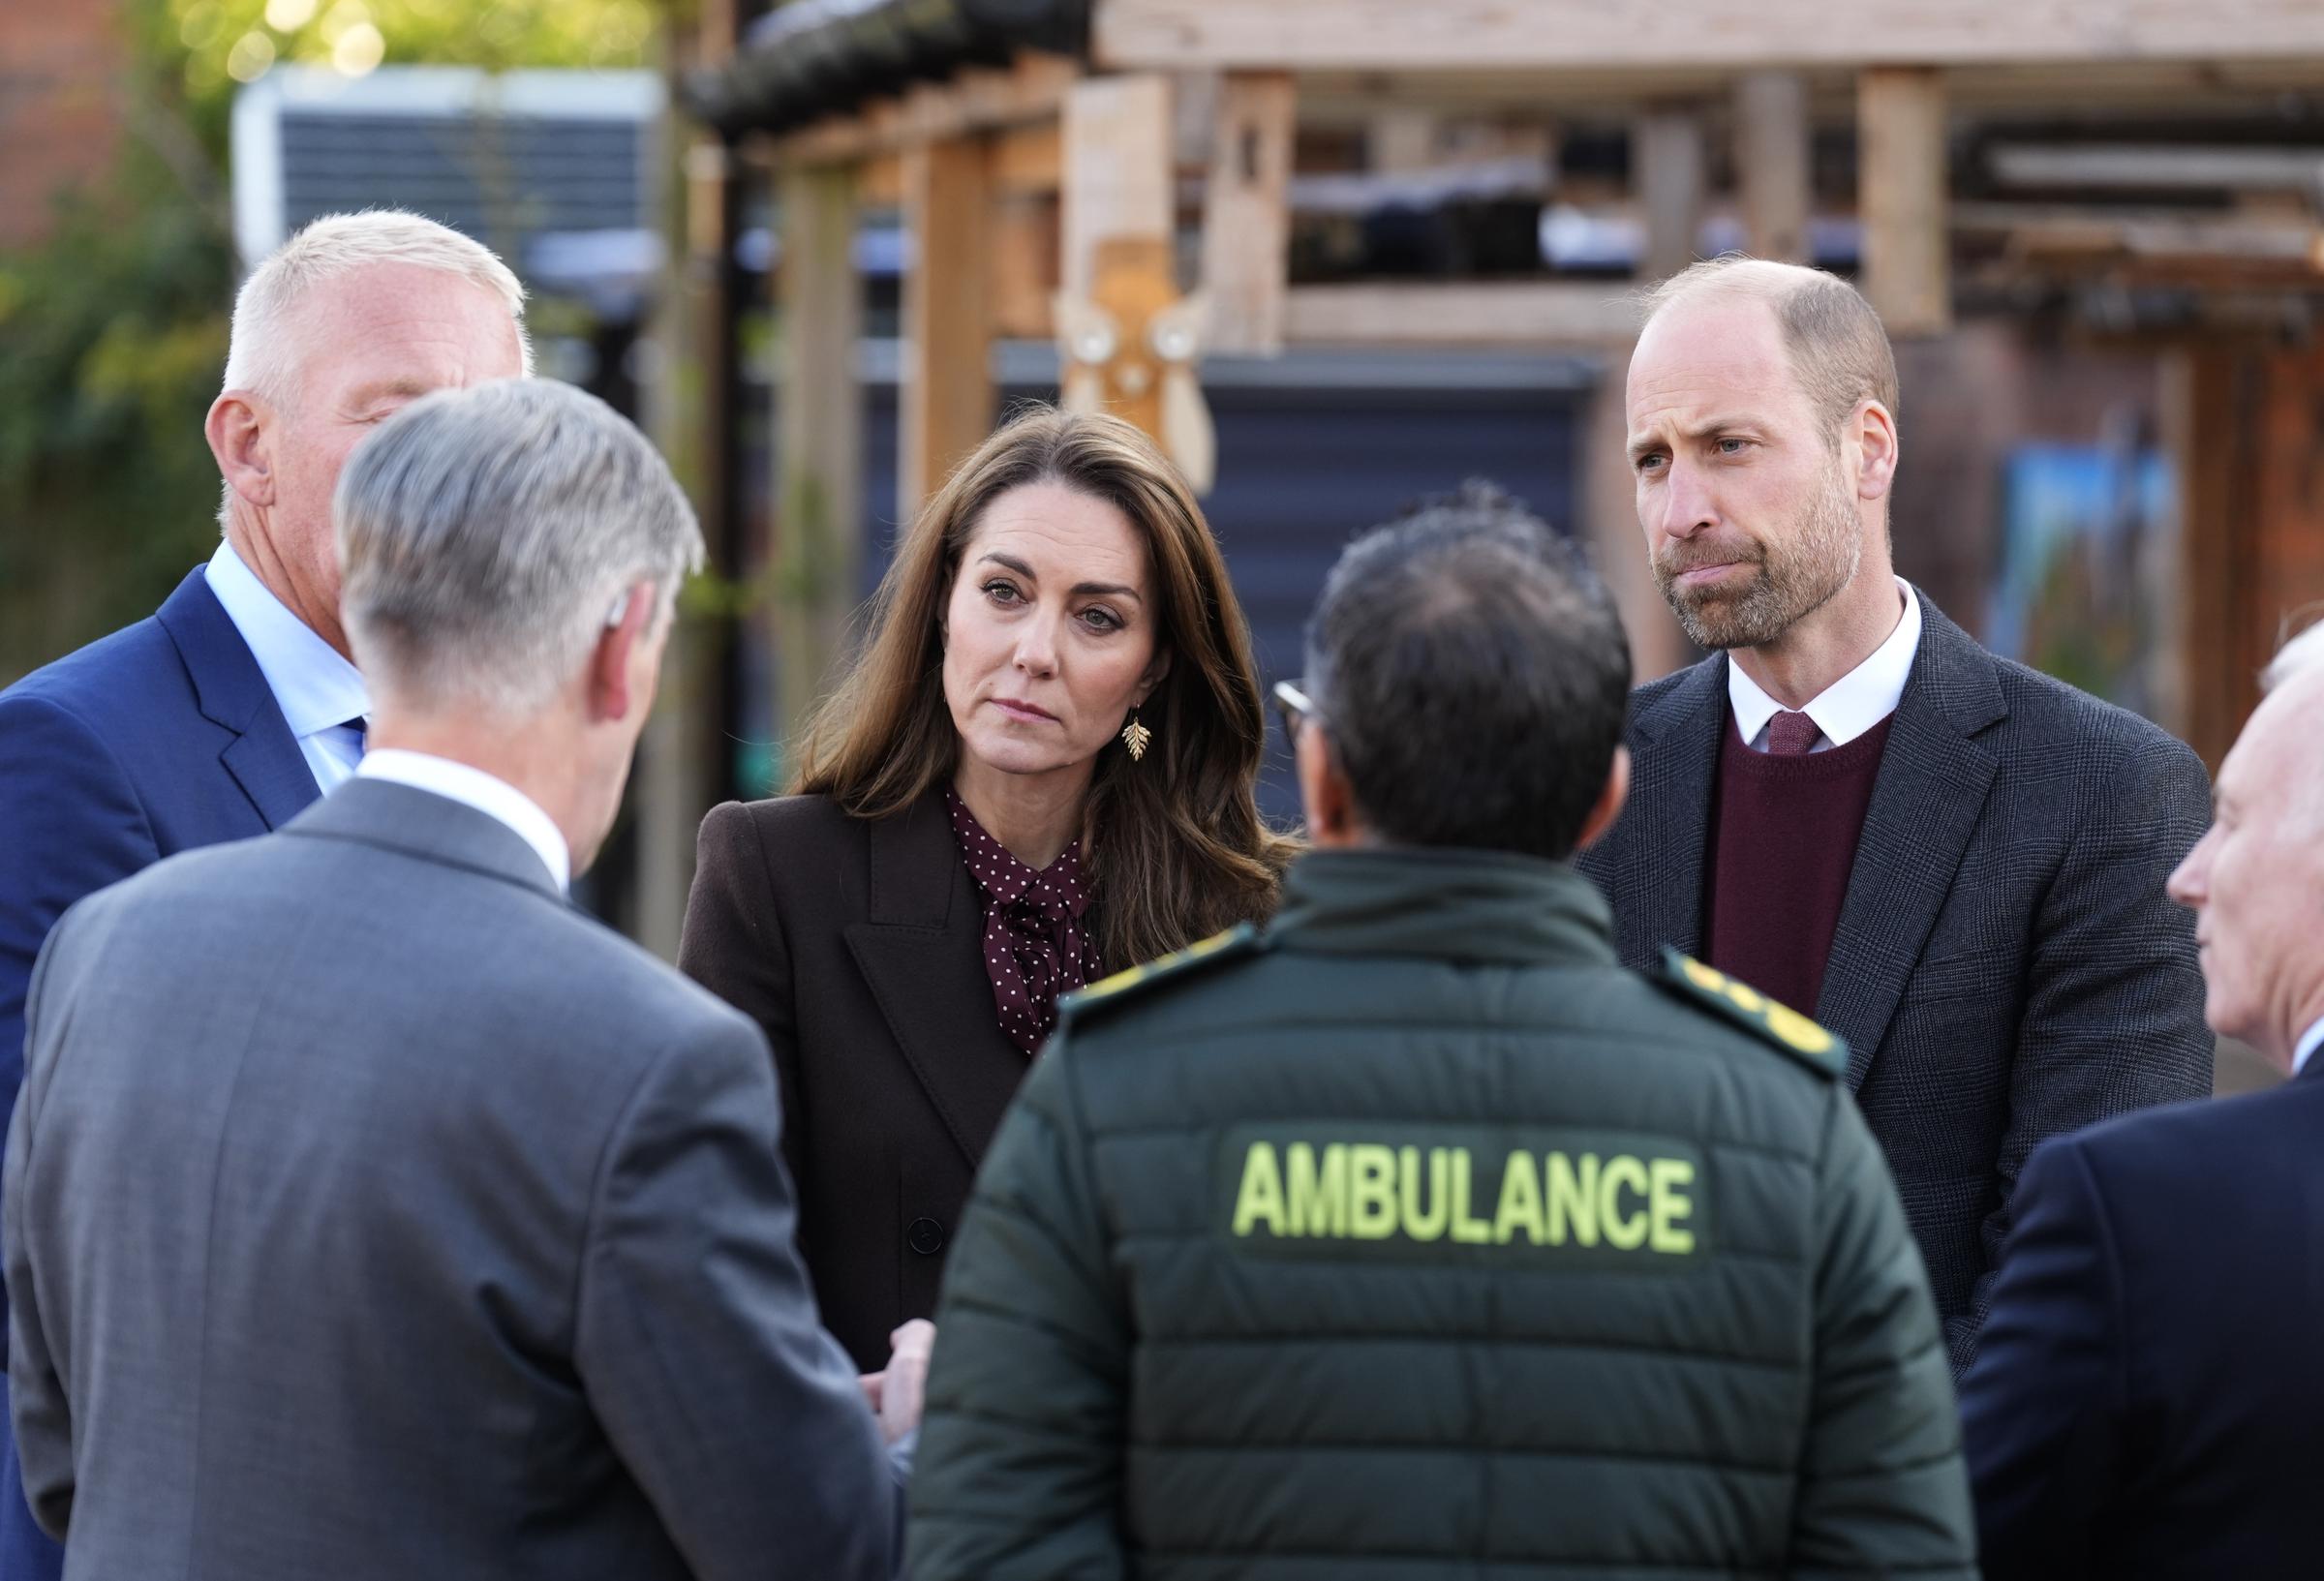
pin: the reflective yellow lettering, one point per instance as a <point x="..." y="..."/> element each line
<point x="1520" y="1202"/>
<point x="1668" y="1200"/>
<point x="1319" y="1197"/>
<point x="1261" y="1198"/>
<point x="1627" y="1231"/>
<point x="1573" y="1199"/>
<point x="1417" y="1225"/>
<point x="1467" y="1228"/>
<point x="1371" y="1191"/>
<point x="1746" y="998"/>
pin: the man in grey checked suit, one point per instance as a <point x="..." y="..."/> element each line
<point x="1954" y="863"/>
<point x="371" y="1211"/>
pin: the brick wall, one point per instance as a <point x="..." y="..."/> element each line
<point x="61" y="69"/>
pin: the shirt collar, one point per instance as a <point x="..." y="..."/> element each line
<point x="2309" y="1041"/>
<point x="1851" y="705"/>
<point x="488" y="794"/>
<point x="313" y="683"/>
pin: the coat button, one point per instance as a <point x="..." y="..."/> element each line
<point x="925" y="1237"/>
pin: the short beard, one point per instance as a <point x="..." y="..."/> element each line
<point x="1795" y="579"/>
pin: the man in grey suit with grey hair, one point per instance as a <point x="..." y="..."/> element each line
<point x="371" y="1211"/>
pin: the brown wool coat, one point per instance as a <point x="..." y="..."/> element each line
<point x="856" y="946"/>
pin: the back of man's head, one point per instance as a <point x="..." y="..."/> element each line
<point x="489" y="536"/>
<point x="1471" y="676"/>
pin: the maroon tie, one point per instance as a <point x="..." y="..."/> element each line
<point x="1791" y="735"/>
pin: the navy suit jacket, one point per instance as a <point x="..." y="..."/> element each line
<point x="162" y="737"/>
<point x="2147" y="1399"/>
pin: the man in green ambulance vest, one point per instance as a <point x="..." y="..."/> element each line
<point x="1414" y="1236"/>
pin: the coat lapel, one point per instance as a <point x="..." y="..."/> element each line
<point x="1931" y="788"/>
<point x="920" y="949"/>
<point x="1677" y="764"/>
<point x="263" y="757"/>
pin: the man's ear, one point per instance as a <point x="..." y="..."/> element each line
<point x="1876" y="451"/>
<point x="1325" y="793"/>
<point x="610" y="694"/>
<point x="1609" y="805"/>
<point x="240" y="430"/>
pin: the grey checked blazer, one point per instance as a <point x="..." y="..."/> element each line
<point x="2006" y="966"/>
<point x="372" y="1213"/>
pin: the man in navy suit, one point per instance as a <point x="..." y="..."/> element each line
<point x="236" y="704"/>
<point x="2147" y="1399"/>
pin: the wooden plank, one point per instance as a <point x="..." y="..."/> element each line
<point x="1901" y="186"/>
<point x="1118" y="181"/>
<point x="1666" y="168"/>
<point x="1247" y="219"/>
<point x="1031" y="90"/>
<point x="1023" y="278"/>
<point x="1029" y="161"/>
<point x="1772" y="164"/>
<point x="947" y="394"/>
<point x="878" y="182"/>
<point x="1538" y="314"/>
<point x="1449" y="35"/>
<point x="819" y="441"/>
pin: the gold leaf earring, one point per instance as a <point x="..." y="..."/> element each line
<point x="1135" y="736"/>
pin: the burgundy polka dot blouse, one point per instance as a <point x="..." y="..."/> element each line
<point x="1037" y="943"/>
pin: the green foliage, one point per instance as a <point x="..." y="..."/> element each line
<point x="113" y="332"/>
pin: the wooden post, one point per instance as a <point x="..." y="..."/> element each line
<point x="947" y="396"/>
<point x="1772" y="164"/>
<point x="1901" y="177"/>
<point x="1665" y="167"/>
<point x="1117" y="176"/>
<point x="819" y="443"/>
<point x="1247" y="219"/>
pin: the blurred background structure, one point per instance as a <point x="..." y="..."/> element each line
<point x="819" y="245"/>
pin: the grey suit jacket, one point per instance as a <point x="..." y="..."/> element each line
<point x="2006" y="966"/>
<point x="370" y="1212"/>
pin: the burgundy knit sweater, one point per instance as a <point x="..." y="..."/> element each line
<point x="1783" y="837"/>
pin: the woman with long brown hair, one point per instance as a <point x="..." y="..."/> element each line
<point x="1040" y="769"/>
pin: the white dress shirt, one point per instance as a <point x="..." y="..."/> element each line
<point x="1851" y="705"/>
<point x="313" y="683"/>
<point x="2310" y="1041"/>
<point x="488" y="794"/>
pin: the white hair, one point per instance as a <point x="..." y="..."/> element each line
<point x="2297" y="657"/>
<point x="487" y="532"/>
<point x="262" y="353"/>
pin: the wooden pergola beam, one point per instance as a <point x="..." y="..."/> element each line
<point x="1117" y="173"/>
<point x="1666" y="169"/>
<point x="1772" y="164"/>
<point x="1399" y="35"/>
<point x="947" y="394"/>
<point x="1540" y="315"/>
<point x="1900" y="188"/>
<point x="1246" y="220"/>
<point x="819" y="439"/>
<point x="1032" y="90"/>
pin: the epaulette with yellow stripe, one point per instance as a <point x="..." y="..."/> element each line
<point x="1748" y="1008"/>
<point x="1122" y="987"/>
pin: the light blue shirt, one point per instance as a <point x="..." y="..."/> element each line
<point x="312" y="682"/>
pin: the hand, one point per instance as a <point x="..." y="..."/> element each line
<point x="895" y="1395"/>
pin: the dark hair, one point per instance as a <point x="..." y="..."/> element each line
<point x="1174" y="846"/>
<point x="1472" y="675"/>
